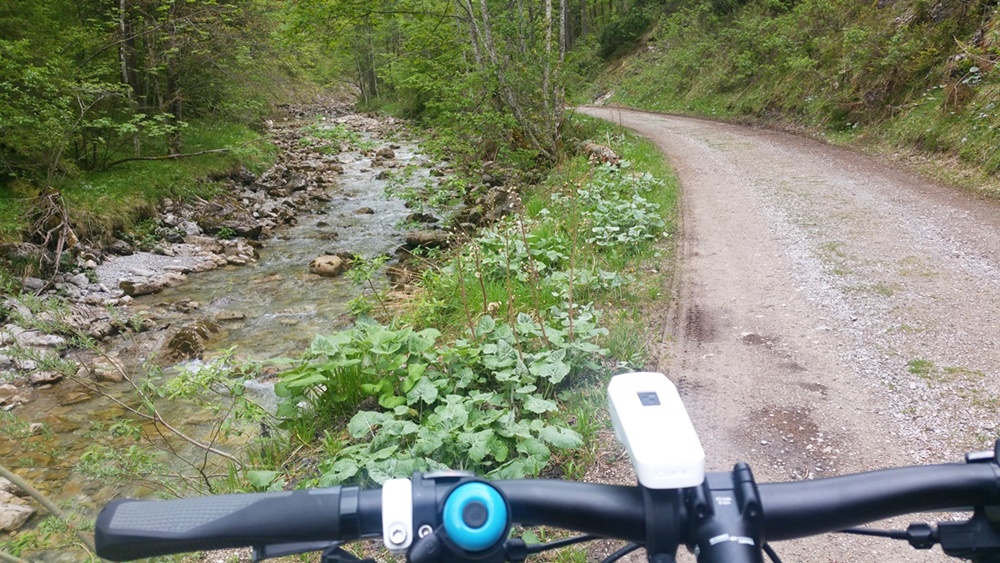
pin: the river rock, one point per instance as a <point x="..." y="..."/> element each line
<point x="105" y="368"/>
<point x="120" y="248"/>
<point x="40" y="378"/>
<point x="13" y="514"/>
<point x="190" y="228"/>
<point x="33" y="284"/>
<point x="74" y="398"/>
<point x="10" y="488"/>
<point x="79" y="280"/>
<point x="15" y="306"/>
<point x="329" y="266"/>
<point x="33" y="338"/>
<point x="226" y="316"/>
<point x="421" y="218"/>
<point x="427" y="239"/>
<point x="145" y="286"/>
<point x="188" y="343"/>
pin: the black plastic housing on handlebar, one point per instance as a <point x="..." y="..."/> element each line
<point x="807" y="508"/>
<point x="134" y="529"/>
<point x="128" y="529"/>
<point x="791" y="510"/>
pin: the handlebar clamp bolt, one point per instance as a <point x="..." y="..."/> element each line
<point x="398" y="535"/>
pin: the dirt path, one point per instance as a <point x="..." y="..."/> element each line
<point x="834" y="314"/>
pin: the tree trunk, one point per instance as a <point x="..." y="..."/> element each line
<point x="126" y="58"/>
<point x="474" y="34"/>
<point x="174" y="107"/>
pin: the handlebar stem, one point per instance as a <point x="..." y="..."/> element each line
<point x="727" y="523"/>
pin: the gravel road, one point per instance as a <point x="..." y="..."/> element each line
<point x="833" y="314"/>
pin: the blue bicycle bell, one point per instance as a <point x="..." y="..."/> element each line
<point x="475" y="516"/>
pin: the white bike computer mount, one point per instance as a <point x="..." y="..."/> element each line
<point x="651" y="422"/>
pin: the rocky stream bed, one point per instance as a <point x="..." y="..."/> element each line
<point x="276" y="245"/>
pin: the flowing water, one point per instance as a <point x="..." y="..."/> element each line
<point x="283" y="304"/>
<point x="279" y="306"/>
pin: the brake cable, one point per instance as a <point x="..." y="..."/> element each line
<point x="534" y="548"/>
<point x="891" y="534"/>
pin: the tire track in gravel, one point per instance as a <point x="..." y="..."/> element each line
<point x="833" y="314"/>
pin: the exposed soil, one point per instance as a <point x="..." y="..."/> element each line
<point x="833" y="314"/>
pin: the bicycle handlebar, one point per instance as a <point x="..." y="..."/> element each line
<point x="129" y="529"/>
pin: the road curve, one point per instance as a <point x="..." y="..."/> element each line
<point x="832" y="314"/>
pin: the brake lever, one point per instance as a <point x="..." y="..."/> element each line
<point x="978" y="538"/>
<point x="263" y="552"/>
<point x="336" y="554"/>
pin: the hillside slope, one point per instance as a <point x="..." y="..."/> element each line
<point x="911" y="75"/>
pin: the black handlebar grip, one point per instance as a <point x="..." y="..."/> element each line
<point x="808" y="508"/>
<point x="129" y="529"/>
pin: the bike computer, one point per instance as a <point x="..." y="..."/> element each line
<point x="651" y="422"/>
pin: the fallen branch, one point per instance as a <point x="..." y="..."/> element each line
<point x="49" y="505"/>
<point x="167" y="156"/>
<point x="8" y="558"/>
<point x="157" y="420"/>
<point x="153" y="416"/>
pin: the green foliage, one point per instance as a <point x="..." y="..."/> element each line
<point x="35" y="108"/>
<point x="50" y="534"/>
<point x="616" y="210"/>
<point x="482" y="403"/>
<point x="486" y="400"/>
<point x="898" y="72"/>
<point x="120" y="466"/>
<point x="623" y="32"/>
<point x="334" y="138"/>
<point x="341" y="370"/>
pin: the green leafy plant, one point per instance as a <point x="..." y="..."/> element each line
<point x="339" y="371"/>
<point x="362" y="272"/>
<point x="484" y="403"/>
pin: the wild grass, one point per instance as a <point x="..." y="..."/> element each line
<point x="110" y="200"/>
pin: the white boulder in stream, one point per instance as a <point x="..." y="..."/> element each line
<point x="14" y="511"/>
<point x="329" y="266"/>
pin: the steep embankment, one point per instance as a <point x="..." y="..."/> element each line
<point x="908" y="77"/>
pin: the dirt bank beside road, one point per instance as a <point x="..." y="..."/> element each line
<point x="833" y="314"/>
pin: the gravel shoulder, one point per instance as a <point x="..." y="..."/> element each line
<point x="833" y="314"/>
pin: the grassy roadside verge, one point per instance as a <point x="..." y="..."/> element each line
<point x="497" y="363"/>
<point x="500" y="355"/>
<point x="111" y="200"/>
